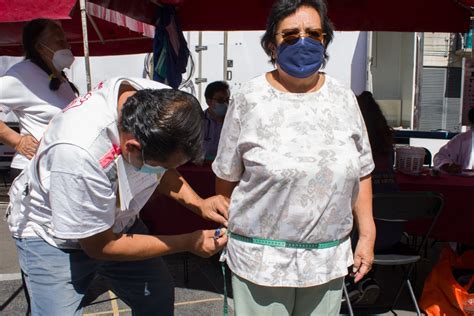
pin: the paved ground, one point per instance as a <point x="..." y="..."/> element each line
<point x="201" y="295"/>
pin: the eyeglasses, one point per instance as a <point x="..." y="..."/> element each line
<point x="222" y="100"/>
<point x="291" y="37"/>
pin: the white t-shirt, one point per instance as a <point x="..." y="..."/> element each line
<point x="298" y="158"/>
<point x="24" y="90"/>
<point x="458" y="150"/>
<point x="69" y="190"/>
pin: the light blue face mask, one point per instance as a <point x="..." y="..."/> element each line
<point x="146" y="168"/>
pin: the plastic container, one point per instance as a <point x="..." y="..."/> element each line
<point x="409" y="159"/>
<point x="468" y="306"/>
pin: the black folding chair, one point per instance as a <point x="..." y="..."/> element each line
<point x="401" y="207"/>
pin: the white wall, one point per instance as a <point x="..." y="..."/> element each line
<point x="106" y="67"/>
<point x="386" y="65"/>
<point x="101" y="68"/>
<point x="393" y="73"/>
<point x="5" y="63"/>
<point x="407" y="73"/>
<point x="436" y="49"/>
<point x="244" y="51"/>
<point x="347" y="61"/>
<point x="249" y="58"/>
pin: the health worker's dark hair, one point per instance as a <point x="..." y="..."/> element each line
<point x="164" y="122"/>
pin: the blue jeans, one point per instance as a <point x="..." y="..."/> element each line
<point x="58" y="279"/>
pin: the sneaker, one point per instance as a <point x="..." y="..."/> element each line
<point x="370" y="292"/>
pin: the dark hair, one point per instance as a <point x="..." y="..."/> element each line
<point x="284" y="8"/>
<point x="215" y="87"/>
<point x="32" y="33"/>
<point x="470" y="116"/>
<point x="380" y="134"/>
<point x="164" y="121"/>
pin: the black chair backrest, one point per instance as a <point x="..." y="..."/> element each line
<point x="406" y="206"/>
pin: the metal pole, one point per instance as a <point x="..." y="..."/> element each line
<point x="200" y="81"/>
<point x="419" y="49"/>
<point x="85" y="41"/>
<point x="226" y="43"/>
<point x="369" y="63"/>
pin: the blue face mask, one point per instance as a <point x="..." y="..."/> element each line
<point x="146" y="168"/>
<point x="220" y="109"/>
<point x="301" y="59"/>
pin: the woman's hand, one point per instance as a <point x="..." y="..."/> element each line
<point x="451" y="168"/>
<point x="216" y="209"/>
<point x="27" y="146"/>
<point x="364" y="253"/>
<point x="363" y="258"/>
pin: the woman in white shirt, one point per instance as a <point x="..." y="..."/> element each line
<point x="458" y="154"/>
<point x="36" y="88"/>
<point x="295" y="159"/>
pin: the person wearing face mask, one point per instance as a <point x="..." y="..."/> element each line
<point x="295" y="160"/>
<point x="457" y="155"/>
<point x="73" y="211"/>
<point x="217" y="98"/>
<point x="36" y="88"/>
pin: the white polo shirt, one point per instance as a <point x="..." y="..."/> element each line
<point x="69" y="190"/>
<point x="24" y="90"/>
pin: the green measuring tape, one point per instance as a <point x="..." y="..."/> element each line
<point x="278" y="244"/>
<point x="287" y="244"/>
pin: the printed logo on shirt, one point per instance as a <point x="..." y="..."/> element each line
<point x="99" y="86"/>
<point x="110" y="156"/>
<point x="80" y="100"/>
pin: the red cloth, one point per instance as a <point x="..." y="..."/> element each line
<point x="164" y="216"/>
<point x="456" y="222"/>
<point x="215" y="15"/>
<point x="363" y="15"/>
<point x="347" y="15"/>
<point x="118" y="39"/>
<point x="25" y="10"/>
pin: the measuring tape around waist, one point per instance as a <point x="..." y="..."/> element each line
<point x="287" y="244"/>
<point x="278" y="244"/>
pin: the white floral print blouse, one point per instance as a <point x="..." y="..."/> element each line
<point x="298" y="158"/>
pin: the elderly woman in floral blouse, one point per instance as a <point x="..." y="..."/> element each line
<point x="295" y="159"/>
